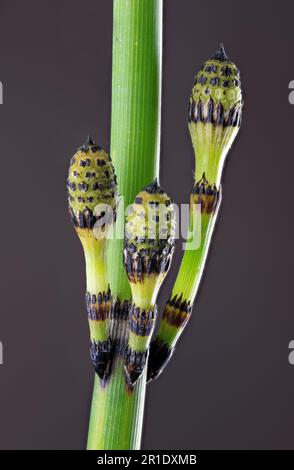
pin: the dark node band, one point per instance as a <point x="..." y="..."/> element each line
<point x="177" y="311"/>
<point x="214" y="113"/>
<point x="134" y="365"/>
<point x="159" y="355"/>
<point x="119" y="309"/>
<point x="205" y="194"/>
<point x="99" y="306"/>
<point x="101" y="354"/>
<point x="141" y="322"/>
<point x="86" y="219"/>
<point x="145" y="262"/>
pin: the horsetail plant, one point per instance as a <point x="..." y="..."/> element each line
<point x="149" y="245"/>
<point x="214" y="118"/>
<point x="124" y="276"/>
<point x="91" y="193"/>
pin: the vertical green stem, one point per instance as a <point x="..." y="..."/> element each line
<point x="136" y="105"/>
<point x="117" y="413"/>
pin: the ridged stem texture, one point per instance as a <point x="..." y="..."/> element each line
<point x="117" y="411"/>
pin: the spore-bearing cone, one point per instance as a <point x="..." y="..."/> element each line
<point x="91" y="181"/>
<point x="214" y="114"/>
<point x="159" y="355"/>
<point x="217" y="82"/>
<point x="149" y="234"/>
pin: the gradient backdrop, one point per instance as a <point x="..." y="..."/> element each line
<point x="230" y="384"/>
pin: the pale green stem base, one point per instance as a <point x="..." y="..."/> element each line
<point x="96" y="269"/>
<point x="117" y="413"/>
<point x="121" y="429"/>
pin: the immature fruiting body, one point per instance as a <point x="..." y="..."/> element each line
<point x="92" y="207"/>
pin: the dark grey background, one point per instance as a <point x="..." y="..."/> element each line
<point x="230" y="384"/>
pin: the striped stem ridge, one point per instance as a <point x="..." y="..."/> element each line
<point x="92" y="197"/>
<point x="148" y="249"/>
<point x="214" y="118"/>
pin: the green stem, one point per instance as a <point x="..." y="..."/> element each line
<point x="96" y="271"/>
<point x="117" y="412"/>
<point x="193" y="262"/>
<point x="188" y="278"/>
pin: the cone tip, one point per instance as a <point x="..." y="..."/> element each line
<point x="89" y="141"/>
<point x="153" y="187"/>
<point x="221" y="54"/>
